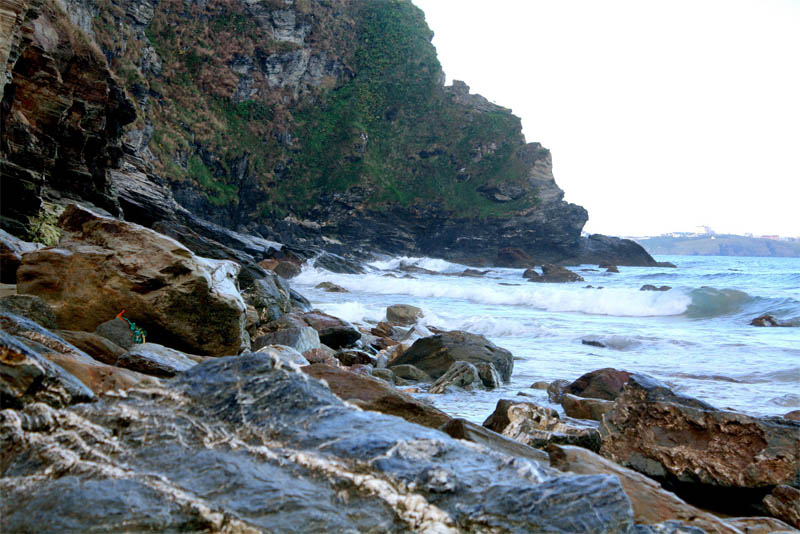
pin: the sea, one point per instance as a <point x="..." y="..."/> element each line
<point x="695" y="337"/>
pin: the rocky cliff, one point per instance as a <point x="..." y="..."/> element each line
<point x="323" y="123"/>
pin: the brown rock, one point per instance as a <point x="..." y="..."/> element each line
<point x="794" y="415"/>
<point x="767" y="320"/>
<point x="659" y="433"/>
<point x="105" y="266"/>
<point x="330" y="287"/>
<point x="651" y="503"/>
<point x="556" y="274"/>
<point x="403" y="314"/>
<point x="469" y="431"/>
<point x="512" y="257"/>
<point x="540" y="385"/>
<point x="612" y="269"/>
<point x="354" y="357"/>
<point x="759" y="525"/>
<point x="600" y="384"/>
<point x="11" y="251"/>
<point x="784" y="503"/>
<point x="539" y="426"/>
<point x="322" y="354"/>
<point x="377" y="396"/>
<point x="650" y="287"/>
<point x="530" y="274"/>
<point x="556" y="390"/>
<point x="580" y="408"/>
<point x="333" y="332"/>
<point x="409" y="372"/>
<point x="285" y="269"/>
<point x="98" y="347"/>
<point x="436" y="354"/>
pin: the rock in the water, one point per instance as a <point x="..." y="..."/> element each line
<point x="98" y="347"/>
<point x="270" y="296"/>
<point x="784" y="503"/>
<point x="794" y="415"/>
<point x="333" y="332"/>
<point x="104" y="266"/>
<point x="26" y="377"/>
<point x="556" y="389"/>
<point x="541" y="384"/>
<point x="155" y="360"/>
<point x="33" y="308"/>
<point x="611" y="268"/>
<point x="581" y="408"/>
<point x="767" y="320"/>
<point x="461" y="374"/>
<point x="436" y="354"/>
<point x="410" y="372"/>
<point x="556" y="274"/>
<point x="512" y="257"/>
<point x="603" y="384"/>
<point x="593" y="343"/>
<point x="651" y="503"/>
<point x="539" y="426"/>
<point x="299" y="302"/>
<point x="663" y="434"/>
<point x="301" y="339"/>
<point x="489" y="376"/>
<point x="530" y="273"/>
<point x="650" y="287"/>
<point x="330" y="287"/>
<point x="403" y="314"/>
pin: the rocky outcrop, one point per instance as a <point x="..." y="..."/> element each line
<point x="552" y="274"/>
<point x="104" y="266"/>
<point x="265" y="433"/>
<point x="686" y="441"/>
<point x="436" y="354"/>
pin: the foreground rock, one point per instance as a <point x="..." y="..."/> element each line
<point x="539" y="426"/>
<point x="377" y="396"/>
<point x="436" y="354"/>
<point x="686" y="441"/>
<point x="104" y="266"/>
<point x="651" y="503"/>
<point x="155" y="360"/>
<point x="287" y="452"/>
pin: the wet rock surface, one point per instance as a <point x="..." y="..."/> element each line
<point x="155" y="460"/>
<point x="31" y="307"/>
<point x="666" y="435"/>
<point x="603" y="384"/>
<point x="552" y="274"/>
<point x="156" y="360"/>
<point x="436" y="354"/>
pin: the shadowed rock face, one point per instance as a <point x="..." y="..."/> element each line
<point x="273" y="440"/>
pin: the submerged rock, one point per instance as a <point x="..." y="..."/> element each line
<point x="330" y="287"/>
<point x="554" y="274"/>
<point x="287" y="452"/>
<point x="436" y="354"/>
<point x="650" y="287"/>
<point x="767" y="320"/>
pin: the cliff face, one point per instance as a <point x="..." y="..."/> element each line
<point x="308" y="122"/>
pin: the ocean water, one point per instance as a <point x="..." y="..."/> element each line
<point x="695" y="337"/>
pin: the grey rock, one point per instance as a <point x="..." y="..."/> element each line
<point x="556" y="390"/>
<point x="384" y="374"/>
<point x="403" y="314"/>
<point x="299" y="302"/>
<point x="33" y="308"/>
<point x="461" y="374"/>
<point x="410" y="372"/>
<point x="300" y="339"/>
<point x="270" y="296"/>
<point x="117" y="331"/>
<point x="650" y="287"/>
<point x="436" y="354"/>
<point x="11" y="250"/>
<point x="27" y="377"/>
<point x="489" y="376"/>
<point x="330" y="287"/>
<point x="155" y="360"/>
<point x="287" y="452"/>
<point x="286" y="355"/>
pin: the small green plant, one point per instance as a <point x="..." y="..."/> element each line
<point x="43" y="227"/>
<point x="138" y="334"/>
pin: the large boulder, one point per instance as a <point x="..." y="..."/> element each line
<point x="436" y="354"/>
<point x="104" y="266"/>
<point x="603" y="384"/>
<point x="678" y="438"/>
<point x="245" y="444"/>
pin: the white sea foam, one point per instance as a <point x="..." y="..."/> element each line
<point x="557" y="298"/>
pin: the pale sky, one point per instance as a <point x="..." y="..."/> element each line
<point x="660" y="115"/>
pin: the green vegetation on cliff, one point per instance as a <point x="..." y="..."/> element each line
<point x="261" y="108"/>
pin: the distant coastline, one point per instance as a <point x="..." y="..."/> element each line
<point x="721" y="245"/>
